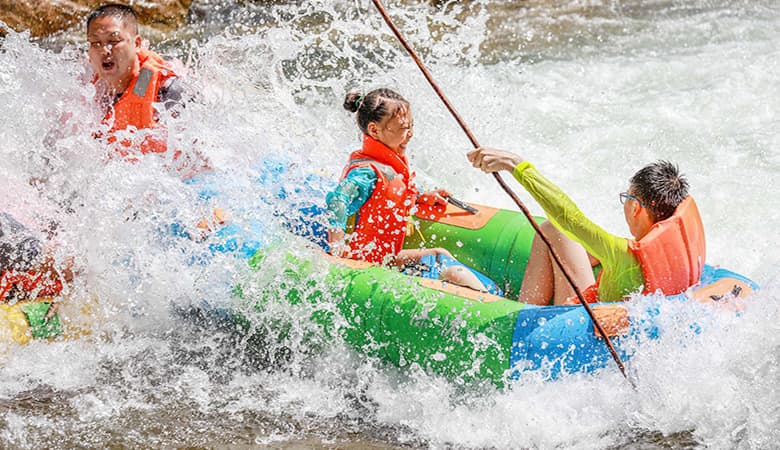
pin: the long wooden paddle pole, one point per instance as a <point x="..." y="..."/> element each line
<point x="501" y="181"/>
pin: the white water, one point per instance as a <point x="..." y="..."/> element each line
<point x="588" y="91"/>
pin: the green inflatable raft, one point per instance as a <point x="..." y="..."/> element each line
<point x="445" y="329"/>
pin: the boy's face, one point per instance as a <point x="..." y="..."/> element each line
<point x="113" y="45"/>
<point x="632" y="210"/>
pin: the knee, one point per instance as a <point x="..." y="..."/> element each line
<point x="549" y="229"/>
<point x="441" y="251"/>
<point x="451" y="272"/>
<point x="556" y="237"/>
<point x="550" y="234"/>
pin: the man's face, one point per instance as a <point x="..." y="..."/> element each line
<point x="113" y="45"/>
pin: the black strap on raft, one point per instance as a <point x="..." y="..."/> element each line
<point x="462" y="205"/>
<point x="734" y="293"/>
<point x="503" y="184"/>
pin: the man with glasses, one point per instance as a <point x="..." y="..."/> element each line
<point x="667" y="252"/>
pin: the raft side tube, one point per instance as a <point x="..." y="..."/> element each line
<point x="399" y="319"/>
<point x="498" y="246"/>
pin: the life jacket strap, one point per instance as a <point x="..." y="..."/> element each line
<point x="142" y="83"/>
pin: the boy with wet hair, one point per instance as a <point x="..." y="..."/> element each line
<point x="666" y="253"/>
<point x="662" y="188"/>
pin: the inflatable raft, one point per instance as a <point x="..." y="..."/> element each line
<point x="26" y="320"/>
<point x="454" y="331"/>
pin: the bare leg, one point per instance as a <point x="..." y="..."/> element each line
<point x="463" y="277"/>
<point x="543" y="278"/>
<point x="455" y="274"/>
<point x="538" y="281"/>
<point x="406" y="256"/>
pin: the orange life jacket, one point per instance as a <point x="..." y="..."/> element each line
<point x="671" y="254"/>
<point x="135" y="108"/>
<point x="32" y="284"/>
<point x="380" y="225"/>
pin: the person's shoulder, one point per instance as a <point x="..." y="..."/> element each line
<point x="168" y="68"/>
<point x="171" y="91"/>
<point x="362" y="171"/>
<point x="171" y="85"/>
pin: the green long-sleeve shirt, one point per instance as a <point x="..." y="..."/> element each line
<point x="622" y="273"/>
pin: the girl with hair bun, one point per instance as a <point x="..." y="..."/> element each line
<point x="376" y="196"/>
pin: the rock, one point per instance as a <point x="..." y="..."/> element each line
<point x="44" y="18"/>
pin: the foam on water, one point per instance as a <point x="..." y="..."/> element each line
<point x="589" y="92"/>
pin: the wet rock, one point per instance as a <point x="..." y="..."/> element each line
<point x="43" y="18"/>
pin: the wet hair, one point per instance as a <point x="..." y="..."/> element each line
<point x="661" y="187"/>
<point x="121" y="12"/>
<point x="374" y="106"/>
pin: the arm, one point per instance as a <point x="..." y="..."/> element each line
<point x="566" y="216"/>
<point x="350" y="194"/>
<point x="170" y="93"/>
<point x="431" y="204"/>
<point x="558" y="207"/>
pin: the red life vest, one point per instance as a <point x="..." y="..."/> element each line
<point x="135" y="108"/>
<point x="671" y="254"/>
<point x="380" y="225"/>
<point x="32" y="284"/>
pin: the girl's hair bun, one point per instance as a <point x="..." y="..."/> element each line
<point x="352" y="101"/>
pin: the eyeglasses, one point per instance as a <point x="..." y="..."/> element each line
<point x="625" y="196"/>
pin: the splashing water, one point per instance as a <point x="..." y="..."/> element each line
<point x="588" y="91"/>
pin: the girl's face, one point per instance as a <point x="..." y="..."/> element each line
<point x="395" y="131"/>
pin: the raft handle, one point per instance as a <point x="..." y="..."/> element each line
<point x="734" y="293"/>
<point x="462" y="205"/>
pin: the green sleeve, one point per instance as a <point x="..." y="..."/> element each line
<point x="622" y="273"/>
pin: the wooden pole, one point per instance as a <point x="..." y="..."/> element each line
<point x="501" y="181"/>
